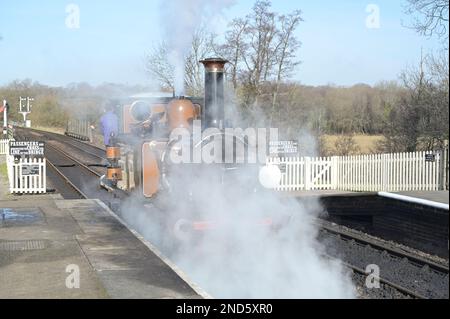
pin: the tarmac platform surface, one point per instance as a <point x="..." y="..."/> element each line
<point x="435" y="196"/>
<point x="44" y="240"/>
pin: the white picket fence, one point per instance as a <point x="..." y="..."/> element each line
<point x="381" y="172"/>
<point x="4" y="146"/>
<point x="20" y="183"/>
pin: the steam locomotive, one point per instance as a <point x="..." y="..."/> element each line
<point x="142" y="157"/>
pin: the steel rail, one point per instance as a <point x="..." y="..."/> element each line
<point x="67" y="181"/>
<point x="403" y="290"/>
<point x="391" y="250"/>
<point x="355" y="269"/>
<point x="74" y="160"/>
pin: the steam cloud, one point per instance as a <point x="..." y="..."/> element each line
<point x="240" y="257"/>
<point x="180" y="18"/>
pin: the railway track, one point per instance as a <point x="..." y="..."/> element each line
<point x="82" y="180"/>
<point x="66" y="188"/>
<point x="76" y="162"/>
<point x="71" y="176"/>
<point x="392" y="250"/>
<point x="409" y="273"/>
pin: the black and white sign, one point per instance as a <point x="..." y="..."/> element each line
<point x="26" y="148"/>
<point x="282" y="168"/>
<point x="30" y="170"/>
<point x="430" y="157"/>
<point x="283" y="148"/>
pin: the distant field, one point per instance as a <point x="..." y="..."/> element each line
<point x="367" y="143"/>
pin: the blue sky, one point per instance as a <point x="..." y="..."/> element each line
<point x="113" y="37"/>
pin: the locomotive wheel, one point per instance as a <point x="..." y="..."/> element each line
<point x="182" y="230"/>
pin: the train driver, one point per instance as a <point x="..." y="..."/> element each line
<point x="109" y="123"/>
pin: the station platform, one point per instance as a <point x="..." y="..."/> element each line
<point x="45" y="241"/>
<point x="433" y="196"/>
<point x="321" y="193"/>
<point x="417" y="219"/>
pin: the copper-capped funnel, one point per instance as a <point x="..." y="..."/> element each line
<point x="214" y="64"/>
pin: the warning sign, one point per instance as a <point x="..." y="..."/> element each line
<point x="30" y="170"/>
<point x="283" y="148"/>
<point x="430" y="157"/>
<point x="26" y="148"/>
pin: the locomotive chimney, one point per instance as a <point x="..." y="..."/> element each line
<point x="213" y="113"/>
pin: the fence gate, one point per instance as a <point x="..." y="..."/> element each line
<point x="26" y="175"/>
<point x="304" y="173"/>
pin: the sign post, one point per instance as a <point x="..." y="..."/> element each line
<point x="4" y="108"/>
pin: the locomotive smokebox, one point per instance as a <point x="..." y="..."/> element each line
<point x="213" y="113"/>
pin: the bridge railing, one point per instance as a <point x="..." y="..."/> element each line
<point x="80" y="129"/>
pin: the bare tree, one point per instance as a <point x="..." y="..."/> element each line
<point x="258" y="59"/>
<point x="202" y="46"/>
<point x="430" y="17"/>
<point x="286" y="51"/>
<point x="158" y="66"/>
<point x="235" y="47"/>
<point x="261" y="48"/>
<point x="419" y="121"/>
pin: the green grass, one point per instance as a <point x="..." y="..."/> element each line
<point x="3" y="170"/>
<point x="4" y="188"/>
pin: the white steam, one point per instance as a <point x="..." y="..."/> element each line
<point x="180" y="19"/>
<point x="241" y="256"/>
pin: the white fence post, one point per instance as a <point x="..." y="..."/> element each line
<point x="4" y="145"/>
<point x="307" y="177"/>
